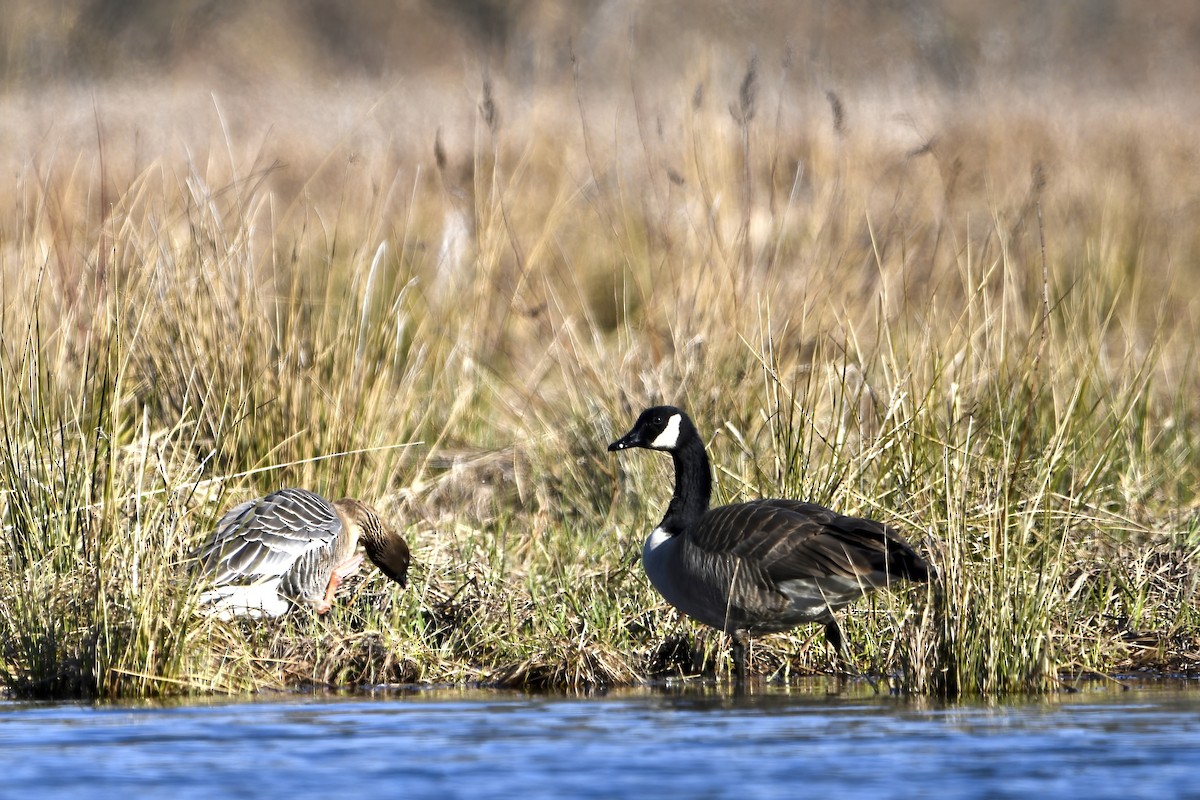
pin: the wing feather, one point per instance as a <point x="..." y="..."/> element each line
<point x="790" y="540"/>
<point x="263" y="538"/>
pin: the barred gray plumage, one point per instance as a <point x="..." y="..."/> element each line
<point x="293" y="546"/>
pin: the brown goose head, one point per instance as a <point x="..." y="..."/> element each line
<point x="385" y="547"/>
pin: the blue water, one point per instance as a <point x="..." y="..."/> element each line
<point x="694" y="743"/>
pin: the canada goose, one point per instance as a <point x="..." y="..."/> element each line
<point x="293" y="546"/>
<point x="762" y="566"/>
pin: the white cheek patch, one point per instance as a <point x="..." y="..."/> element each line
<point x="670" y="435"/>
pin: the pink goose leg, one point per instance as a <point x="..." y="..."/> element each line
<point x="340" y="573"/>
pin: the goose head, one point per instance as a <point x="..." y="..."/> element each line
<point x="658" y="428"/>
<point x="385" y="547"/>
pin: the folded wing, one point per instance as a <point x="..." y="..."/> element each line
<point x="263" y="538"/>
<point x="789" y="540"/>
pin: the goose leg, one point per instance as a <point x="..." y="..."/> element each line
<point x="340" y="572"/>
<point x="739" y="657"/>
<point x="833" y="635"/>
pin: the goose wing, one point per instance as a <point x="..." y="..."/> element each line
<point x="264" y="537"/>
<point x="789" y="540"/>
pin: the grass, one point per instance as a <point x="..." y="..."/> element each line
<point x="983" y="334"/>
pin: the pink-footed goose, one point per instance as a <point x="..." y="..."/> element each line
<point x="293" y="546"/>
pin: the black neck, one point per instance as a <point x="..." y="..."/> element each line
<point x="693" y="486"/>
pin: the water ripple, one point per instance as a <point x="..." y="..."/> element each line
<point x="638" y="743"/>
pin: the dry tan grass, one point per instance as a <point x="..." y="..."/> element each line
<point x="974" y="319"/>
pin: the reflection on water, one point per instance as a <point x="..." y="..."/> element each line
<point x="673" y="741"/>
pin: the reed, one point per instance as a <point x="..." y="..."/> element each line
<point x="968" y="335"/>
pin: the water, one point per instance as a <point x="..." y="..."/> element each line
<point x="667" y="742"/>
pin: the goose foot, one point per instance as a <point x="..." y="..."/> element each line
<point x="833" y="635"/>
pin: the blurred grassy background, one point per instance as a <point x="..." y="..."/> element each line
<point x="939" y="43"/>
